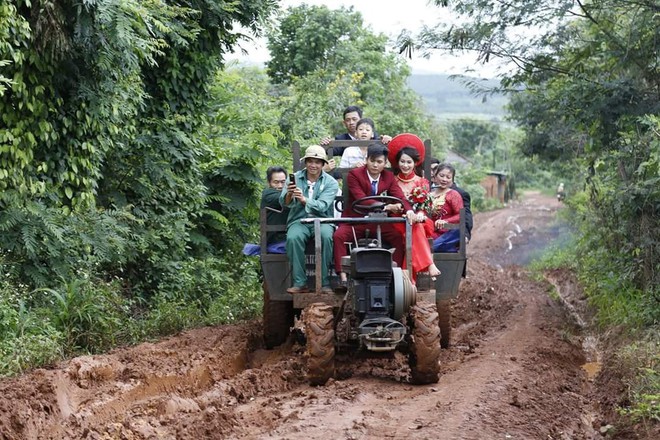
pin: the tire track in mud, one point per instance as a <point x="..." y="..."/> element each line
<point x="93" y="391"/>
<point x="177" y="406"/>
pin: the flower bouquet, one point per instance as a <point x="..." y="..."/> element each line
<point x="420" y="197"/>
<point x="438" y="205"/>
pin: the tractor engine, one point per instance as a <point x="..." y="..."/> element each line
<point x="382" y="295"/>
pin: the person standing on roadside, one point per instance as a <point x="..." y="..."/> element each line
<point x="561" y="194"/>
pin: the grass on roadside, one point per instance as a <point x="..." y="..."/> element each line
<point x="87" y="315"/>
<point x="639" y="364"/>
<point x="626" y="308"/>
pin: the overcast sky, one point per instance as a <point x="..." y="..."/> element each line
<point x="388" y="17"/>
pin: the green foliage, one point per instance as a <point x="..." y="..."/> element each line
<point x="586" y="95"/>
<point x="607" y="279"/>
<point x="310" y="38"/>
<point x="26" y="339"/>
<point x="209" y="291"/>
<point x="469" y="178"/>
<point x="169" y="317"/>
<point x="345" y="65"/>
<point x="639" y="364"/>
<point x="441" y="140"/>
<point x="36" y="348"/>
<point x="612" y="264"/>
<point x="242" y="301"/>
<point x="471" y="136"/>
<point x="99" y="123"/>
<point x="89" y="314"/>
<point x="241" y="133"/>
<point x="40" y="241"/>
<point x="557" y="257"/>
<point x="199" y="281"/>
<point x="302" y="114"/>
<point x="123" y="153"/>
<point x="623" y="205"/>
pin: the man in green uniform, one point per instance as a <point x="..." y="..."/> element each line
<point x="311" y="194"/>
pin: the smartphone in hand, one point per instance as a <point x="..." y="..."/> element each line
<point x="292" y="179"/>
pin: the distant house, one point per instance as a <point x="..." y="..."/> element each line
<point x="495" y="185"/>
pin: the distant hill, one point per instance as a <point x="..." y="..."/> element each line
<point x="451" y="99"/>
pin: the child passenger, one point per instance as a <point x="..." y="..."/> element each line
<point x="354" y="157"/>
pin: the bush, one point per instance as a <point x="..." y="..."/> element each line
<point x="469" y="178"/>
<point x="40" y="326"/>
<point x="169" y="316"/>
<point x="26" y="339"/>
<point x="211" y="282"/>
<point x="205" y="292"/>
<point x="640" y="366"/>
<point x="90" y="315"/>
<point x="608" y="279"/>
<point x="39" y="347"/>
<point x="244" y="302"/>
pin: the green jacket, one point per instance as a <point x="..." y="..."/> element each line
<point x="320" y="205"/>
<point x="270" y="198"/>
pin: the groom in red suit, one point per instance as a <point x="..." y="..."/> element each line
<point x="370" y="180"/>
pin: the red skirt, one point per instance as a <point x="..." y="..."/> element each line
<point x="421" y="250"/>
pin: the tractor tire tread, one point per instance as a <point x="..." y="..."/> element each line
<point x="320" y="349"/>
<point x="424" y="356"/>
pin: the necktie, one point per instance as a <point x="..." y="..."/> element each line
<point x="374" y="187"/>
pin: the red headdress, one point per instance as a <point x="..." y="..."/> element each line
<point x="400" y="141"/>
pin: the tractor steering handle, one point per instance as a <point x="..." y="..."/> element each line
<point x="361" y="208"/>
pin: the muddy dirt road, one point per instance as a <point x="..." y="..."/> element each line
<point x="514" y="371"/>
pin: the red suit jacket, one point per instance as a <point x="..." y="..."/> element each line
<point x="359" y="185"/>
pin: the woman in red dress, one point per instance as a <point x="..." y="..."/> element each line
<point x="406" y="154"/>
<point x="447" y="202"/>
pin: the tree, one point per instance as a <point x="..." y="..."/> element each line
<point x="310" y="38"/>
<point x="98" y="126"/>
<point x="330" y="66"/>
<point x="587" y="91"/>
<point x="471" y="136"/>
<point x="241" y="133"/>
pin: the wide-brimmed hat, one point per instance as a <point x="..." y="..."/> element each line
<point x="403" y="140"/>
<point x="315" y="152"/>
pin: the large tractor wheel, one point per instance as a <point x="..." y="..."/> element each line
<point x="444" y="317"/>
<point x="320" y="337"/>
<point x="424" y="354"/>
<point x="277" y="318"/>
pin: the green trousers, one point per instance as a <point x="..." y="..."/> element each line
<point x="297" y="236"/>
